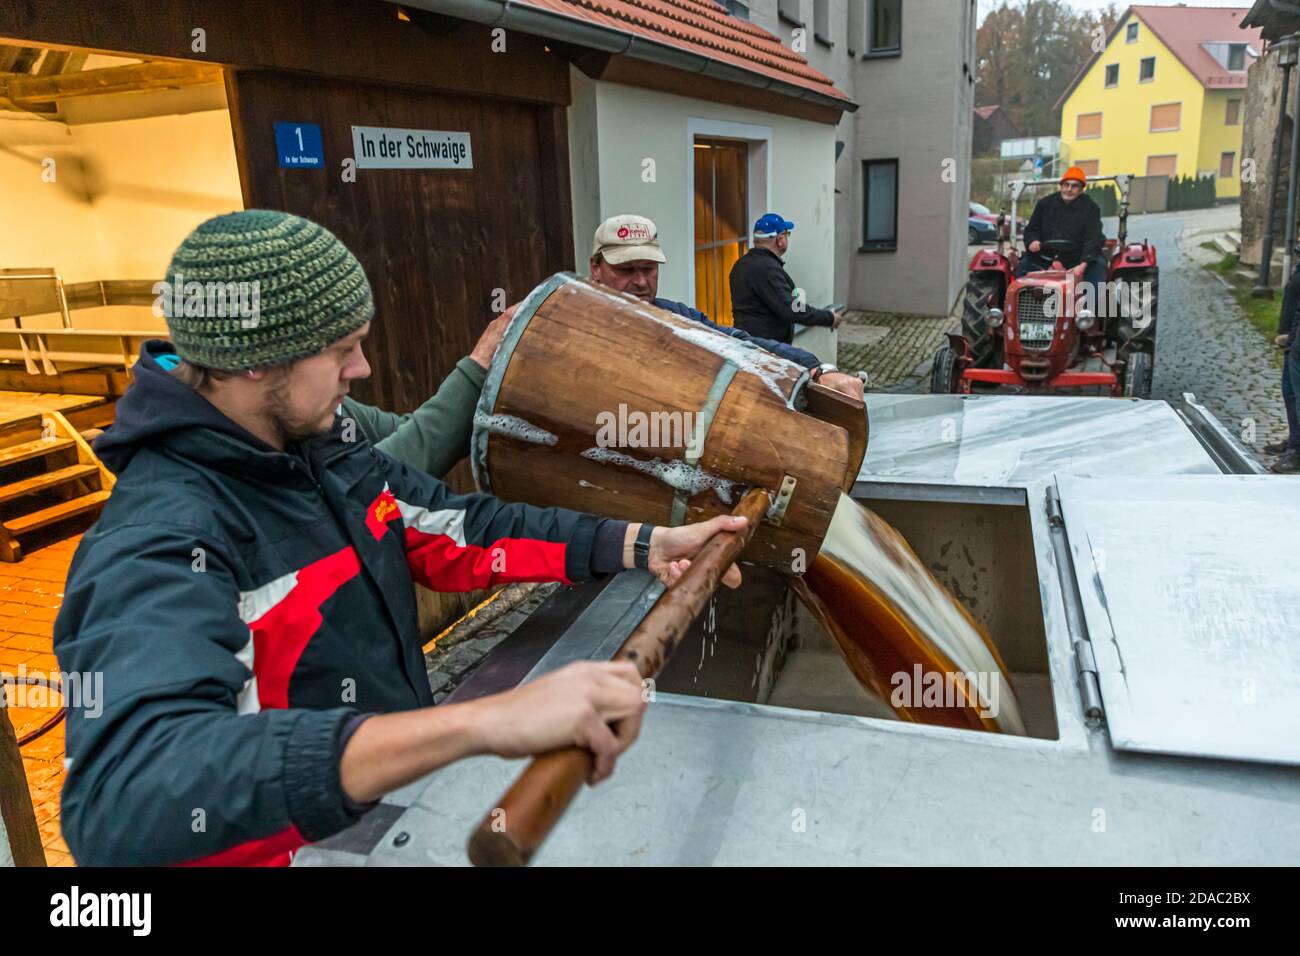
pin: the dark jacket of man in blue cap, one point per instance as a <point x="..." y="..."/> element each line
<point x="763" y="296"/>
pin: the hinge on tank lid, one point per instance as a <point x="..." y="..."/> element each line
<point x="1085" y="664"/>
<point x="776" y="513"/>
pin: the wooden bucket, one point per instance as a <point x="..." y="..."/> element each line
<point x="598" y="402"/>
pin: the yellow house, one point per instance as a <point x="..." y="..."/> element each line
<point x="1165" y="97"/>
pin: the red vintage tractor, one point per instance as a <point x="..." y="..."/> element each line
<point x="1046" y="331"/>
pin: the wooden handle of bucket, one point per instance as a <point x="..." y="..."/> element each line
<point x="511" y="833"/>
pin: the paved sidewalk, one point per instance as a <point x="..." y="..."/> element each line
<point x="31" y="592"/>
<point x="895" y="350"/>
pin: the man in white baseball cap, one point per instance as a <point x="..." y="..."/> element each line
<point x="626" y="255"/>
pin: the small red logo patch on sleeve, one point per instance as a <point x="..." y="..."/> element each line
<point x="381" y="511"/>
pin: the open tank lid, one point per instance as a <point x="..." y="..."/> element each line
<point x="1191" y="598"/>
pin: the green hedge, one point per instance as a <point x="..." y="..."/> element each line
<point x="1104" y="196"/>
<point x="1191" y="192"/>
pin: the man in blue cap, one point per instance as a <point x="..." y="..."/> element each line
<point x="764" y="300"/>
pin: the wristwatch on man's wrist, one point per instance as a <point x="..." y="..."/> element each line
<point x="641" y="547"/>
<point x="816" y="373"/>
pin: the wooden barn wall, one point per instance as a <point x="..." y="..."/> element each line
<point x="436" y="243"/>
<point x="351" y="39"/>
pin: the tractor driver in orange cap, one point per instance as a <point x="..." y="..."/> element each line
<point x="1064" y="232"/>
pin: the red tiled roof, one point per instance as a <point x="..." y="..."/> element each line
<point x="1182" y="30"/>
<point x="700" y="27"/>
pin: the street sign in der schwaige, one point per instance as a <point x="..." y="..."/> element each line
<point x="299" y="146"/>
<point x="378" y="147"/>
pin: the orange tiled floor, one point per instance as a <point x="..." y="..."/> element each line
<point x="30" y="594"/>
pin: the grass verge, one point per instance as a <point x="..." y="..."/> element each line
<point x="1262" y="313"/>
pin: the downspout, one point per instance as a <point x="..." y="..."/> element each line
<point x="553" y="26"/>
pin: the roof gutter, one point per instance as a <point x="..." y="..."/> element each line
<point x="555" y="26"/>
<point x="1256" y="14"/>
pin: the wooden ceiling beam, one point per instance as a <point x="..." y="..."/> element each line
<point x="32" y="90"/>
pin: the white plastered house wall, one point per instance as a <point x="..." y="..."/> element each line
<point x="630" y="151"/>
<point x="917" y="108"/>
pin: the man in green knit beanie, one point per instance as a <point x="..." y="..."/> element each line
<point x="247" y="593"/>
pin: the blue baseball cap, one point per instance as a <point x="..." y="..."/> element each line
<point x="771" y="225"/>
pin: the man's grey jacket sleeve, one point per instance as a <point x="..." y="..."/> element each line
<point x="436" y="435"/>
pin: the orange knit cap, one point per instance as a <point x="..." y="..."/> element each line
<point x="1075" y="173"/>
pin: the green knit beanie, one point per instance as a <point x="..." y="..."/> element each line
<point x="259" y="287"/>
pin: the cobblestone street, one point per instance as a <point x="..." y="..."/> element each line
<point x="1204" y="345"/>
<point x="894" y="350"/>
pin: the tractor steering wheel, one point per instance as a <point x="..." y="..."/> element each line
<point x="1056" y="248"/>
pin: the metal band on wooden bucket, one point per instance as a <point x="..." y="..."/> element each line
<point x="496" y="372"/>
<point x="703" y="422"/>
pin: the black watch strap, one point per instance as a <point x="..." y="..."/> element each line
<point x="641" y="548"/>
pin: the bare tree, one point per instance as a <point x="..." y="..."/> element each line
<point x="1028" y="51"/>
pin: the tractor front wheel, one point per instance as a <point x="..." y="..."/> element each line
<point x="1138" y="375"/>
<point x="986" y="349"/>
<point x="945" y="374"/>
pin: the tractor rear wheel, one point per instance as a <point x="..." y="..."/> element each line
<point x="945" y="374"/>
<point x="1141" y="294"/>
<point x="986" y="349"/>
<point x="1138" y="374"/>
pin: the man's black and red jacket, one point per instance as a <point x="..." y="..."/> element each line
<point x="243" y="604"/>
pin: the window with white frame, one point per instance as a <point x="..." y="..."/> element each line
<point x="1112" y="75"/>
<point x="1147" y="69"/>
<point x="1131" y="34"/>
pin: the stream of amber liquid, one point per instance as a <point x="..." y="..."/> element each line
<point x="888" y="614"/>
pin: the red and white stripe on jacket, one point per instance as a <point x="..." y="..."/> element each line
<point x="284" y="614"/>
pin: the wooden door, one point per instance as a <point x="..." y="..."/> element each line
<point x="436" y="243"/>
<point x="721" y="222"/>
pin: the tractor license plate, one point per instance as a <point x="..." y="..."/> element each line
<point x="1037" y="331"/>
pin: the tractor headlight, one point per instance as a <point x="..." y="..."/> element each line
<point x="1085" y="320"/>
<point x="995" y="318"/>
